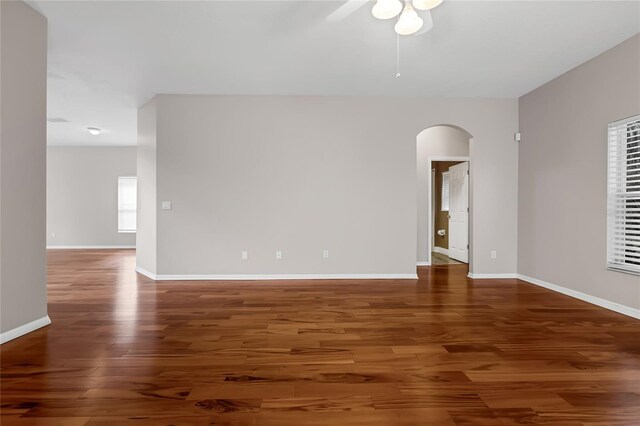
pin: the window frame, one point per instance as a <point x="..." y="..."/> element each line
<point x="623" y="237"/>
<point x="119" y="210"/>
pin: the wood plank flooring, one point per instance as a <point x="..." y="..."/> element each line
<point x="441" y="350"/>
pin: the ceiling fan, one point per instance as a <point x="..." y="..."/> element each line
<point x="414" y="17"/>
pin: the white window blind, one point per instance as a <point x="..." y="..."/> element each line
<point x="623" y="197"/>
<point x="127" y="203"/>
<point x="445" y="191"/>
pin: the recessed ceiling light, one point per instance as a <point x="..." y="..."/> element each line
<point x="94" y="131"/>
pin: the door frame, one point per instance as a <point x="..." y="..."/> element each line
<point x="431" y="206"/>
<point x="458" y="180"/>
<point x="432" y="211"/>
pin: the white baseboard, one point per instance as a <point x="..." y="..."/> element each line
<point x="441" y="250"/>
<point x="89" y="247"/>
<point x="24" y="329"/>
<point x="492" y="276"/>
<point x="612" y="306"/>
<point x="268" y="277"/>
<point x="146" y="273"/>
<point x="424" y="263"/>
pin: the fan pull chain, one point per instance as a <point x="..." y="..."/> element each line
<point x="398" y="55"/>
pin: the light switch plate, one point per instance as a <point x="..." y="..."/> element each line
<point x="166" y="205"/>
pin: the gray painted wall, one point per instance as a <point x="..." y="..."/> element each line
<point x="23" y="88"/>
<point x="563" y="174"/>
<point x="82" y="195"/>
<point x="146" y="248"/>
<point x="304" y="174"/>
<point x="439" y="141"/>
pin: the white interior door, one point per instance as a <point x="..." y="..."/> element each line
<point x="459" y="212"/>
<point x="432" y="243"/>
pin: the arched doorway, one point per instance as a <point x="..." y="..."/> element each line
<point x="439" y="148"/>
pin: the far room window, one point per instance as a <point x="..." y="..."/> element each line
<point x="623" y="197"/>
<point x="445" y="191"/>
<point x="127" y="204"/>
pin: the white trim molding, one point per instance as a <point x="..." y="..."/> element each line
<point x="603" y="303"/>
<point x="492" y="276"/>
<point x="146" y="273"/>
<point x="268" y="277"/>
<point x="423" y="264"/>
<point x="24" y="329"/>
<point x="441" y="250"/>
<point x="89" y="247"/>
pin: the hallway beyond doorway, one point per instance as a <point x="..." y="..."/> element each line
<point x="443" y="259"/>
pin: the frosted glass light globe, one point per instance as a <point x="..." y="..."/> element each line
<point x="426" y="4"/>
<point x="409" y="21"/>
<point x="386" y="9"/>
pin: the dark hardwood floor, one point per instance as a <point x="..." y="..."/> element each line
<point x="440" y="350"/>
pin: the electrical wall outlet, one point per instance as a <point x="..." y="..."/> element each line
<point x="245" y="255"/>
<point x="53" y="235"/>
<point x="278" y="255"/>
<point x="494" y="254"/>
<point x="325" y="254"/>
<point x="166" y="205"/>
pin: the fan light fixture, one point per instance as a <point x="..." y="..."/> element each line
<point x="94" y="131"/>
<point x="409" y="21"/>
<point x="428" y="22"/>
<point x="426" y="4"/>
<point x="386" y="9"/>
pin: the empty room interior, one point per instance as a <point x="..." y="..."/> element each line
<point x="385" y="212"/>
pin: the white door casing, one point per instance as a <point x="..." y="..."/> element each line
<point x="459" y="212"/>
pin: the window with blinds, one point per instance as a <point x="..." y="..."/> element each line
<point x="623" y="198"/>
<point x="127" y="203"/>
<point x="445" y="192"/>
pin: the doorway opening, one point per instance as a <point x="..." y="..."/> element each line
<point x="450" y="212"/>
<point x="444" y="185"/>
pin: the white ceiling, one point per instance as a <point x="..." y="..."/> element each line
<point x="106" y="58"/>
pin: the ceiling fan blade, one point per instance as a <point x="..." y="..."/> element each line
<point x="345" y="10"/>
<point x="428" y="22"/>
